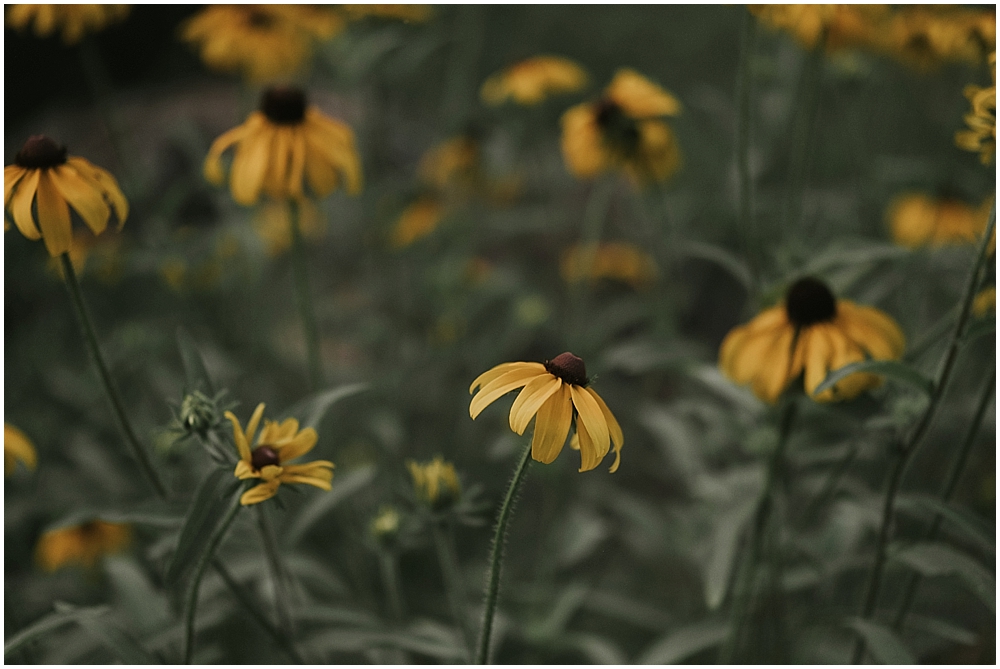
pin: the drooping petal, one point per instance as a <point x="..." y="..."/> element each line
<point x="12" y="175"/>
<point x="817" y="355"/>
<point x="590" y="414"/>
<point x="589" y="457"/>
<point x="844" y="352"/>
<point x="53" y="217"/>
<point x="501" y="386"/>
<point x="298" y="446"/>
<point x="500" y="370"/>
<point x="80" y="195"/>
<point x="322" y="176"/>
<point x="552" y="425"/>
<point x="107" y="184"/>
<point x="213" y="161"/>
<point x="21" y="205"/>
<point x="750" y="360"/>
<point x="271" y="472"/>
<point x="872" y="330"/>
<point x="773" y="376"/>
<point x="250" y="166"/>
<point x="275" y="179"/>
<point x="297" y="165"/>
<point x="617" y="436"/>
<point x="260" y="493"/>
<point x="530" y="399"/>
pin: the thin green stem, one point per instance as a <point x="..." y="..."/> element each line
<point x="303" y="298"/>
<point x="906" y="449"/>
<point x="948" y="491"/>
<point x="744" y="588"/>
<point x="594" y="216"/>
<point x="191" y="600"/>
<point x="390" y="579"/>
<point x="802" y="134"/>
<point x="255" y="612"/>
<point x="118" y="406"/>
<point x="444" y="546"/>
<point x="274" y="564"/>
<point x="496" y="559"/>
<point x="748" y="227"/>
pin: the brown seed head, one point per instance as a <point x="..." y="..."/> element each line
<point x="40" y="152"/>
<point x="569" y="368"/>
<point x="263" y="456"/>
<point x="284" y="105"/>
<point x="810" y="301"/>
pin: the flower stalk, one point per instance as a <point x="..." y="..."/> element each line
<point x="748" y="228"/>
<point x="304" y="298"/>
<point x="273" y="555"/>
<point x="496" y="559"/>
<point x="118" y="406"/>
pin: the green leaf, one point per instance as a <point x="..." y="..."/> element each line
<point x="117" y="640"/>
<point x="984" y="326"/>
<point x="195" y="373"/>
<point x="310" y="411"/>
<point x="738" y="269"/>
<point x="883" y="644"/>
<point x="853" y="255"/>
<point x="942" y="629"/>
<point x="937" y="559"/>
<point x="343" y="487"/>
<point x="684" y="642"/>
<point x="892" y="369"/>
<point x="967" y="523"/>
<point x="725" y="541"/>
<point x="210" y="503"/>
<point x="49" y="623"/>
<point x="597" y="649"/>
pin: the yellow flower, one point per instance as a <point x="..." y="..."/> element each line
<point x="558" y="393"/>
<point x="265" y="42"/>
<point x="918" y="220"/>
<point x="836" y="25"/>
<point x="925" y="37"/>
<point x="418" y="220"/>
<point x="985" y="301"/>
<point x="61" y="182"/>
<point x="273" y="224"/>
<point x="278" y="443"/>
<point x="610" y="260"/>
<point x="17" y="448"/>
<point x="452" y="163"/>
<point x="981" y="135"/>
<point x="281" y="147"/>
<point x="405" y="13"/>
<point x="83" y="544"/>
<point x="73" y="20"/>
<point x="532" y="80"/>
<point x="812" y="332"/>
<point x="622" y="130"/>
<point x="435" y="482"/>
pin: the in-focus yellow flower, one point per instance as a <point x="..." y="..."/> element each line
<point x="918" y="220"/>
<point x="609" y="260"/>
<point x="264" y="42"/>
<point x="435" y="482"/>
<point x="417" y="221"/>
<point x="981" y="135"/>
<point x="73" y="20"/>
<point x="985" y="301"/>
<point x="623" y="130"/>
<point x="532" y="80"/>
<point x="558" y="393"/>
<point x="836" y="25"/>
<point x="273" y="224"/>
<point x="811" y="332"/>
<point x="278" y="443"/>
<point x="284" y="146"/>
<point x="17" y="448"/>
<point x="42" y="167"/>
<point x="404" y="13"/>
<point x="451" y="164"/>
<point x="82" y="544"/>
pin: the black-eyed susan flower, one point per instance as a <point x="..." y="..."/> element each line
<point x="82" y="544"/>
<point x="623" y="130"/>
<point x="17" y="448"/>
<point x="981" y="134"/>
<point x="531" y="81"/>
<point x="418" y="220"/>
<point x="282" y="148"/>
<point x="557" y="394"/>
<point x="264" y="42"/>
<point x="926" y="37"/>
<point x="41" y="168"/>
<point x="74" y="21"/>
<point x="919" y="220"/>
<point x="273" y="224"/>
<point x="435" y="483"/>
<point x="268" y="460"/>
<point x="835" y="25"/>
<point x="813" y="333"/>
<point x="404" y="13"/>
<point x="609" y="260"/>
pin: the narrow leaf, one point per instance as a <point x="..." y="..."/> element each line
<point x="684" y="642"/>
<point x="210" y="503"/>
<point x="48" y="623"/>
<point x="965" y="522"/>
<point x="725" y="540"/>
<point x="937" y="559"/>
<point x="343" y="487"/>
<point x="195" y="373"/>
<point x="853" y="255"/>
<point x="891" y="369"/>
<point x="310" y="411"/>
<point x="942" y="629"/>
<point x="982" y="327"/>
<point x="114" y="638"/>
<point x="738" y="269"/>
<point x="883" y="644"/>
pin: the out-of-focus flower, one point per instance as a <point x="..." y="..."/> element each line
<point x="264" y="42"/>
<point x="918" y="220"/>
<point x="609" y="260"/>
<point x="925" y="36"/>
<point x="82" y="544"/>
<point x="284" y="146"/>
<point x="453" y="163"/>
<point x="558" y="393"/>
<point x="981" y="135"/>
<point x="418" y="220"/>
<point x="404" y="13"/>
<point x="103" y="251"/>
<point x="623" y="130"/>
<point x="811" y="332"/>
<point x="836" y="25"/>
<point x="73" y="20"/>
<point x="17" y="448"/>
<point x="985" y="301"/>
<point x="268" y="461"/>
<point x="273" y="224"/>
<point x="435" y="482"/>
<point x="532" y="80"/>
<point x="42" y="167"/>
<point x="385" y="526"/>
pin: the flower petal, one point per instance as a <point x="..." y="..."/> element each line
<point x="82" y="196"/>
<point x="592" y="417"/>
<point x="244" y="470"/>
<point x="213" y="161"/>
<point x="53" y="217"/>
<point x="12" y="175"/>
<point x="617" y="436"/>
<point x="871" y="329"/>
<point x="271" y="472"/>
<point x="589" y="457"/>
<point x="20" y="207"/>
<point x="107" y="183"/>
<point x="297" y="165"/>
<point x="239" y="438"/>
<point x="254" y="422"/>
<point x="531" y="399"/>
<point x="299" y="445"/>
<point x="552" y="425"/>
<point x="773" y="376"/>
<point x="260" y="493"/>
<point x="500" y="370"/>
<point x="501" y="386"/>
<point x="816" y="356"/>
<point x="250" y="166"/>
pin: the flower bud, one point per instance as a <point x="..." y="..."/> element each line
<point x="199" y="413"/>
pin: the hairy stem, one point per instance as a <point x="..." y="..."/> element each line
<point x="303" y="298"/>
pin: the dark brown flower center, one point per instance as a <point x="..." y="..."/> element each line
<point x="284" y="105"/>
<point x="810" y="301"/>
<point x="40" y="152"/>
<point x="569" y="368"/>
<point x="260" y="19"/>
<point x="263" y="456"/>
<point x="619" y="131"/>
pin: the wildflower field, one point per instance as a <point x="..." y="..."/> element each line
<point x="500" y="334"/>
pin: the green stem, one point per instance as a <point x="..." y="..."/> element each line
<point x="496" y="559"/>
<point x="391" y="581"/>
<point x="256" y="613"/>
<point x="744" y="588"/>
<point x="802" y="133"/>
<point x="590" y="237"/>
<point x="191" y="600"/>
<point x="76" y="296"/>
<point x="273" y="555"/>
<point x="905" y="450"/>
<point x="444" y="546"/>
<point x="748" y="227"/>
<point x="948" y="491"/>
<point x="304" y="298"/>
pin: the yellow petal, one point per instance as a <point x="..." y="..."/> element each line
<point x="298" y="446"/>
<point x="80" y="195"/>
<point x="773" y="376"/>
<point x="53" y="217"/>
<point x="275" y="180"/>
<point x="213" y="161"/>
<point x="239" y="438"/>
<point x="17" y="446"/>
<point x="816" y="357"/>
<point x="250" y="166"/>
<point x="617" y="436"/>
<point x="260" y="493"/>
<point x="309" y="480"/>
<point x="297" y="165"/>
<point x="322" y="176"/>
<point x="552" y="425"/>
<point x="640" y="97"/>
<point x="21" y="205"/>
<point x="872" y="330"/>
<point x="271" y="472"/>
<point x="244" y="470"/>
<point x="12" y="174"/>
<point x="592" y="417"/>
<point x="254" y="422"/>
<point x="501" y="386"/>
<point x="530" y="400"/>
<point x="589" y="457"/>
<point x="107" y="183"/>
<point x="502" y="369"/>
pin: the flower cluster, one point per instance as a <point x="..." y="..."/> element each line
<point x="74" y="21"/>
<point x="918" y="220"/>
<point x="981" y="135"/>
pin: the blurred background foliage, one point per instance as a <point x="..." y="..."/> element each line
<point x="633" y="567"/>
